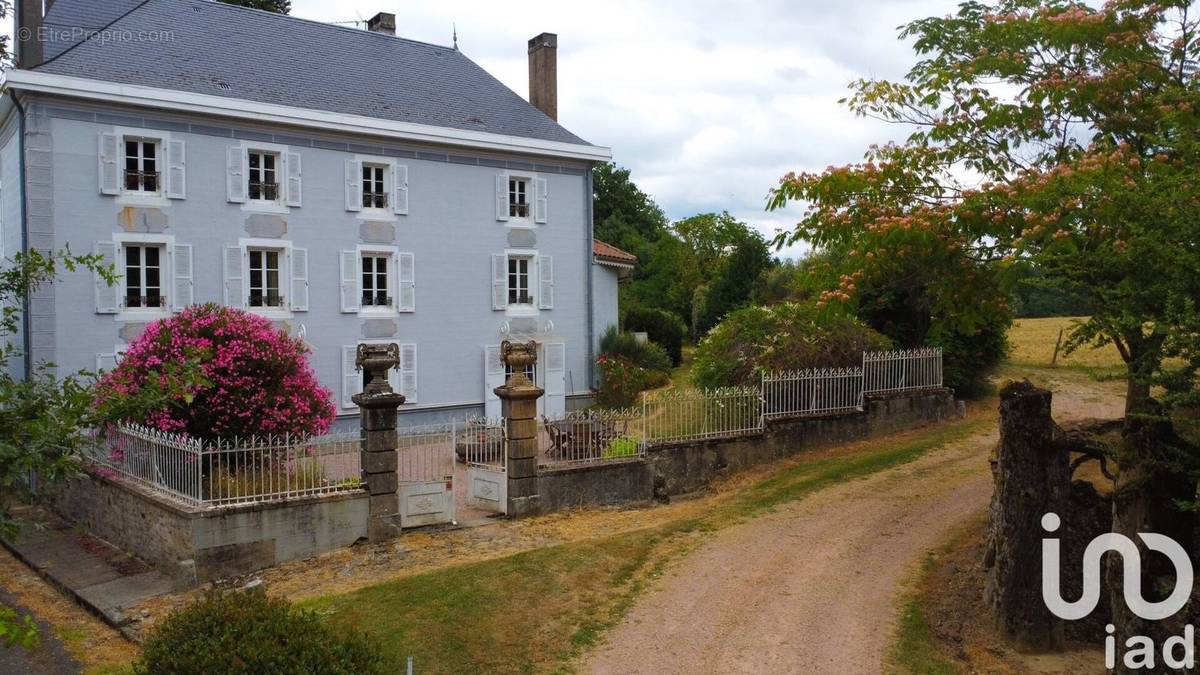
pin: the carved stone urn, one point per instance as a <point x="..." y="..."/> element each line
<point x="517" y="356"/>
<point x="377" y="360"/>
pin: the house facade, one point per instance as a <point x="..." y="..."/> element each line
<point x="429" y="206"/>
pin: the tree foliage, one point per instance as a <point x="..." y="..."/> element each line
<point x="277" y="6"/>
<point x="42" y="416"/>
<point x="1047" y="131"/>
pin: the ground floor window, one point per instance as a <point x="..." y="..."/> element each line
<point x="144" y="276"/>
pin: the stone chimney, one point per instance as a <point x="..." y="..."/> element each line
<point x="543" y="74"/>
<point x="382" y="22"/>
<point x="29" y="39"/>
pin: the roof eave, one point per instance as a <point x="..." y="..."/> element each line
<point x="172" y="99"/>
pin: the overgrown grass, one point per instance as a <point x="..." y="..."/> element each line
<point x="537" y="610"/>
<point x="1031" y="343"/>
<point x="914" y="651"/>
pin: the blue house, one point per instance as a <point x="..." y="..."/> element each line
<point x="350" y="185"/>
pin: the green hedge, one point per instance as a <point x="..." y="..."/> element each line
<point x="662" y="327"/>
<point x="787" y="336"/>
<point x="251" y="633"/>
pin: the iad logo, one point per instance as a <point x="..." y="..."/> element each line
<point x="1140" y="649"/>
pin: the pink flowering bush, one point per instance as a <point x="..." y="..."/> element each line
<point x="215" y="372"/>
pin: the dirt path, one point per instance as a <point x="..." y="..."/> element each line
<point x="813" y="586"/>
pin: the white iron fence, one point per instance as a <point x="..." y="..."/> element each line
<point x="685" y="415"/>
<point x="902" y="370"/>
<point x="591" y="436"/>
<point x="823" y="391"/>
<point x="229" y="472"/>
<point x="480" y="443"/>
<point x="425" y="454"/>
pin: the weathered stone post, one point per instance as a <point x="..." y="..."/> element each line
<point x="518" y="401"/>
<point x="1032" y="478"/>
<point x="377" y="405"/>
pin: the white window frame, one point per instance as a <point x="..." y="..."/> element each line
<point x="263" y="154"/>
<point x="391" y="253"/>
<point x="279" y="205"/>
<point x="529" y="198"/>
<point x="388" y="168"/>
<point x="515" y="308"/>
<point x="161" y="139"/>
<point x="393" y="171"/>
<point x="285" y="276"/>
<point x="166" y="275"/>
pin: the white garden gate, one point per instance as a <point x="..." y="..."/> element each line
<point x="482" y="451"/>
<point x="425" y="474"/>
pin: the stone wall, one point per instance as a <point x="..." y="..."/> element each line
<point x="201" y="545"/>
<point x="685" y="467"/>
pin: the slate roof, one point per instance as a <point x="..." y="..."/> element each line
<point x="609" y="253"/>
<point x="240" y="53"/>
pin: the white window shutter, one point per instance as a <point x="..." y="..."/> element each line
<point x="105" y="362"/>
<point x="502" y="197"/>
<point x="350" y="375"/>
<point x="499" y="281"/>
<point x="408" y="372"/>
<point x="235" y="174"/>
<point x="546" y="282"/>
<point x="400" y="196"/>
<point x="176" y="175"/>
<point x="299" y="302"/>
<point x="351" y="294"/>
<point x="108" y="298"/>
<point x="406" y="283"/>
<point x="556" y="380"/>
<point x="353" y="185"/>
<point x="110" y="167"/>
<point x="493" y="376"/>
<point x="539" y="200"/>
<point x="293" y="179"/>
<point x="182" y="259"/>
<point x="235" y="292"/>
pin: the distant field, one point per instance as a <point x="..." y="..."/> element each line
<point x="1031" y="343"/>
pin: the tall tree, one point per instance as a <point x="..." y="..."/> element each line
<point x="1081" y="126"/>
<point x="277" y="6"/>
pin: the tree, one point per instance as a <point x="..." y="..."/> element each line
<point x="624" y="216"/>
<point x="42" y="416"/>
<point x="736" y="279"/>
<point x="1063" y="135"/>
<point x="277" y="6"/>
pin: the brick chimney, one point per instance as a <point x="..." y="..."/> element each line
<point x="28" y="18"/>
<point x="382" y="22"/>
<point x="543" y="74"/>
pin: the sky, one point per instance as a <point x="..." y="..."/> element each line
<point x="707" y="102"/>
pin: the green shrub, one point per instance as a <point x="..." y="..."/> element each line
<point x="621" y="381"/>
<point x="642" y="354"/>
<point x="621" y="447"/>
<point x="663" y="328"/>
<point x="250" y="633"/>
<point x="787" y="336"/>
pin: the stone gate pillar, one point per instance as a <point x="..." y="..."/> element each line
<point x="518" y="401"/>
<point x="377" y="405"/>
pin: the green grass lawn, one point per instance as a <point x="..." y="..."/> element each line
<point x="1031" y="344"/>
<point x="536" y="610"/>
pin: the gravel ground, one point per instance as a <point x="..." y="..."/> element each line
<point x="814" y="586"/>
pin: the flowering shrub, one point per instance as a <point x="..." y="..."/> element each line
<point x="787" y="336"/>
<point x="216" y="372"/>
<point x="620" y="381"/>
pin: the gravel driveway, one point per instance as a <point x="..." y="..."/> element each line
<point x="814" y="586"/>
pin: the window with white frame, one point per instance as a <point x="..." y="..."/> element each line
<point x="144" y="267"/>
<point x="375" y="180"/>
<point x="402" y="378"/>
<point x="518" y="280"/>
<point x="530" y="372"/>
<point x="518" y="197"/>
<point x="376" y="289"/>
<point x="154" y="276"/>
<point x="142" y="165"/>
<point x="262" y="175"/>
<point x="265" y="271"/>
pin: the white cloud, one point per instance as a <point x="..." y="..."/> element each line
<point x="707" y="102"/>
